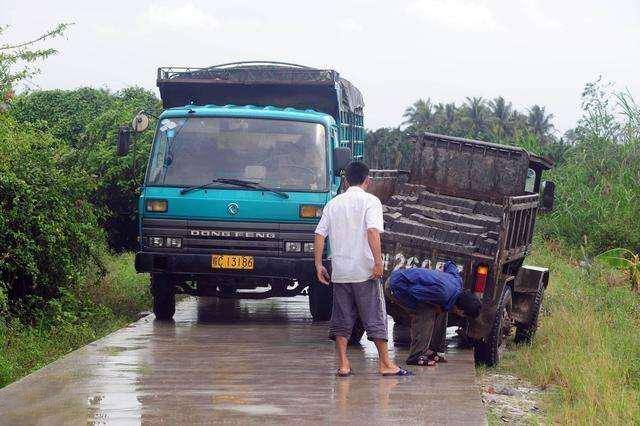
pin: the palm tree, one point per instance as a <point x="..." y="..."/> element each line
<point x="476" y="116"/>
<point x="420" y="116"/>
<point x="502" y="114"/>
<point x="539" y="123"/>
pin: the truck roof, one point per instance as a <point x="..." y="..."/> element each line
<point x="248" y="110"/>
<point x="259" y="83"/>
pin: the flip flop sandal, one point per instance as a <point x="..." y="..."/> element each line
<point x="401" y="373"/>
<point x="435" y="357"/>
<point x="341" y="374"/>
<point x="440" y="359"/>
<point x="425" y="361"/>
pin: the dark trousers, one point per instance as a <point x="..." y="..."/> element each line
<point x="428" y="327"/>
<point x="428" y="332"/>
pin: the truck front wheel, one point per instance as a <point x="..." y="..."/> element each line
<point x="164" y="299"/>
<point x="489" y="350"/>
<point x="320" y="301"/>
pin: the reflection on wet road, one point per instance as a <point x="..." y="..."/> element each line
<point x="260" y="361"/>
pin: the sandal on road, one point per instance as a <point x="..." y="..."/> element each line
<point x="341" y="374"/>
<point x="423" y="361"/>
<point x="400" y="373"/>
<point x="436" y="357"/>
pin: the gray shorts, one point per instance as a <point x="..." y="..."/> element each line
<point x="365" y="300"/>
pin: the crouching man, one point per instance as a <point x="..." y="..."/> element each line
<point x="427" y="296"/>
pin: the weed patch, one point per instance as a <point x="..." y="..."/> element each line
<point x="98" y="306"/>
<point x="587" y="348"/>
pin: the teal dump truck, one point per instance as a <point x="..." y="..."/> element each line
<point x="245" y="156"/>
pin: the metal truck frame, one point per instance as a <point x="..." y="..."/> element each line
<point x="475" y="203"/>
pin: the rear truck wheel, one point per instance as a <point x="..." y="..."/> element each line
<point x="164" y="298"/>
<point x="489" y="351"/>
<point x="525" y="332"/>
<point x="320" y="301"/>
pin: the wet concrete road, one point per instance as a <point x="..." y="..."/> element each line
<point x="236" y="362"/>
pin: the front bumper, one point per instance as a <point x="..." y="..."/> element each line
<point x="200" y="264"/>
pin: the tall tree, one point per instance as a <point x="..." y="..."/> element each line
<point x="476" y="116"/>
<point x="18" y="60"/>
<point x="540" y="124"/>
<point x="420" y="116"/>
<point x="502" y="112"/>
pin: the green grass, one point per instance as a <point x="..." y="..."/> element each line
<point x="99" y="306"/>
<point x="587" y="348"/>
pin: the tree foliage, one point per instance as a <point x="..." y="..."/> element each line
<point x="18" y="60"/>
<point x="492" y="120"/>
<point x="88" y="119"/>
<point x="597" y="185"/>
<point x="48" y="229"/>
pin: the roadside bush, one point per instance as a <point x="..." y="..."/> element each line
<point x="597" y="190"/>
<point x="88" y="119"/>
<point x="48" y="231"/>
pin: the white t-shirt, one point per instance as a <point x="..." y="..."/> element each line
<point x="345" y="220"/>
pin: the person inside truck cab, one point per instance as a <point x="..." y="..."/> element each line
<point x="297" y="164"/>
<point x="427" y="296"/>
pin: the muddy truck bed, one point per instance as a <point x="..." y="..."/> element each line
<point x="423" y="227"/>
<point x="474" y="203"/>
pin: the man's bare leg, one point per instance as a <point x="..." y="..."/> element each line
<point x="343" y="362"/>
<point x="385" y="365"/>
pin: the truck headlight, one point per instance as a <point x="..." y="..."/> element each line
<point x="308" y="247"/>
<point x="310" y="211"/>
<point x="174" y="242"/>
<point x="157" y="206"/>
<point x="156" y="241"/>
<point x="292" y="246"/>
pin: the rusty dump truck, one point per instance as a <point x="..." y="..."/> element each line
<point x="474" y="203"/>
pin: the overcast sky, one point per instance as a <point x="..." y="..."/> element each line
<point x="529" y="51"/>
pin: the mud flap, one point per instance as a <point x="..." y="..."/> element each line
<point x="528" y="282"/>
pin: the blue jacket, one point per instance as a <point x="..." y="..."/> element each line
<point x="415" y="285"/>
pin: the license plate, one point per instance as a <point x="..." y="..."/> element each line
<point x="228" y="261"/>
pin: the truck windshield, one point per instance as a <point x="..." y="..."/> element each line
<point x="288" y="155"/>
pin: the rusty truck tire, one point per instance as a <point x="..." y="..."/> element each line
<point x="525" y="332"/>
<point x="489" y="351"/>
<point x="164" y="299"/>
<point x="320" y="301"/>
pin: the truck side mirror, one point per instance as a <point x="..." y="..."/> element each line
<point x="548" y="195"/>
<point x="140" y="122"/>
<point x="124" y="140"/>
<point x="341" y="157"/>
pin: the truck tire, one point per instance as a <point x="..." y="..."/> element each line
<point x="525" y="332"/>
<point x="164" y="298"/>
<point x="320" y="301"/>
<point x="489" y="351"/>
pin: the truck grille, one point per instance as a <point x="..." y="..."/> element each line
<point x="248" y="238"/>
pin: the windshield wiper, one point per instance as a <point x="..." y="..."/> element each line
<point x="237" y="182"/>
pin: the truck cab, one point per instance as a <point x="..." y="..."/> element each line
<point x="244" y="158"/>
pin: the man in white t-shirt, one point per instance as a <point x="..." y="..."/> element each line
<point x="353" y="222"/>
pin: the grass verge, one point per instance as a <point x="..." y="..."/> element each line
<point x="587" y="348"/>
<point x="102" y="304"/>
